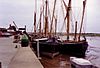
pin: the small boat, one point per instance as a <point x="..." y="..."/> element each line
<point x="4" y="33"/>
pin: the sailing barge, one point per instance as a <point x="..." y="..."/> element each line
<point x="52" y="45"/>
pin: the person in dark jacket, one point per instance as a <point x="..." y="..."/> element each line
<point x="24" y="40"/>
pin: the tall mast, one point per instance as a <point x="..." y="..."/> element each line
<point x="55" y="26"/>
<point x="64" y="4"/>
<point x="52" y="17"/>
<point x="41" y="13"/>
<point x="40" y="22"/>
<point x="35" y="16"/>
<point x="46" y="19"/>
<point x="34" y="22"/>
<point x="43" y="30"/>
<point x="84" y="4"/>
<point x="75" y="38"/>
<point x="68" y="18"/>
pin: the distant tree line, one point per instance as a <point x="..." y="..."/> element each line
<point x="86" y="34"/>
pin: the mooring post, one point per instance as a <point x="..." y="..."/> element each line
<point x="38" y="52"/>
<point x="0" y="64"/>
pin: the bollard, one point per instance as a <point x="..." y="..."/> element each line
<point x="0" y="64"/>
<point x="38" y="52"/>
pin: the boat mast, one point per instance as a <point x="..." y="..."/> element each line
<point x="35" y="16"/>
<point x="46" y="19"/>
<point x="41" y="13"/>
<point x="40" y="22"/>
<point x="43" y="29"/>
<point x="65" y="6"/>
<point x="55" y="26"/>
<point x="68" y="19"/>
<point x="75" y="38"/>
<point x="52" y="17"/>
<point x="84" y="4"/>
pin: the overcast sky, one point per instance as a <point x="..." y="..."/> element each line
<point x="21" y="11"/>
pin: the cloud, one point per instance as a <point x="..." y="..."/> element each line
<point x="21" y="11"/>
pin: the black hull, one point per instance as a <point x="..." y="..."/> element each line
<point x="73" y="49"/>
<point x="44" y="46"/>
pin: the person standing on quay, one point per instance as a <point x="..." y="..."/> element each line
<point x="24" y="40"/>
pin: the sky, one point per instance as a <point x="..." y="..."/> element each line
<point x="21" y="11"/>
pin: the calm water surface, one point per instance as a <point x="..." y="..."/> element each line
<point x="93" y="51"/>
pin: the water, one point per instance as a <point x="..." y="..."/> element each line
<point x="93" y="51"/>
<point x="94" y="41"/>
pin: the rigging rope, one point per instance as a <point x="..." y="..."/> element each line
<point x="63" y="17"/>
